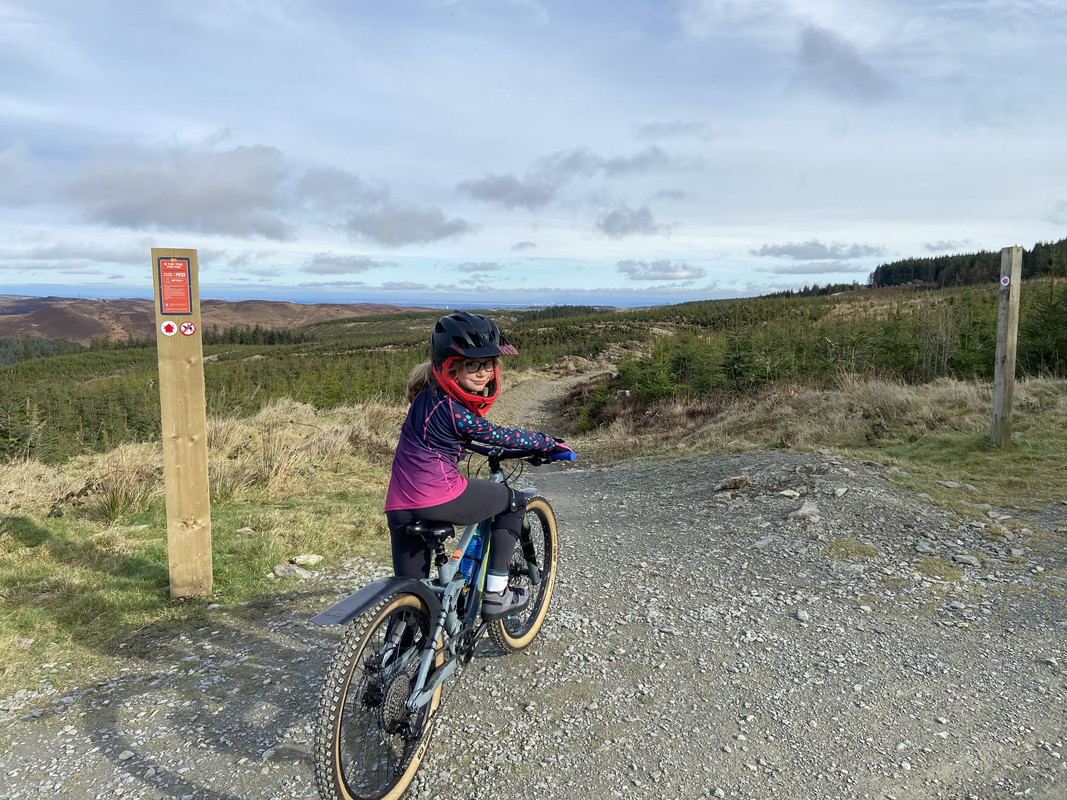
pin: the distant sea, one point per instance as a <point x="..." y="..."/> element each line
<point x="312" y="295"/>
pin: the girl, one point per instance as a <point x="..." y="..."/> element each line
<point x="449" y="396"/>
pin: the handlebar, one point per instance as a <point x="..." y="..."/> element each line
<point x="498" y="454"/>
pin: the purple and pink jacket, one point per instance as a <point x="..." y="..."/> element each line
<point x="426" y="465"/>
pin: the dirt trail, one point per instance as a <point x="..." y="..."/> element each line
<point x="533" y="402"/>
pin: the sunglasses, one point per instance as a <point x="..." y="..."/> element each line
<point x="473" y="367"/>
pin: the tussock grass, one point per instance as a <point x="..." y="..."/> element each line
<point x="83" y="561"/>
<point x="932" y="432"/>
<point x="31" y="487"/>
<point x="125" y="482"/>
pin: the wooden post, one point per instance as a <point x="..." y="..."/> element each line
<point x="184" y="420"/>
<point x="1011" y="270"/>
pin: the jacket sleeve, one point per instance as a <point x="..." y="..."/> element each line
<point x="473" y="428"/>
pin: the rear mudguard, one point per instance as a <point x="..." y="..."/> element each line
<point x="373" y="593"/>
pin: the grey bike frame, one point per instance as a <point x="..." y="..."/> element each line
<point x="449" y="586"/>
<point x="441" y="595"/>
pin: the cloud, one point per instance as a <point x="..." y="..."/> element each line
<point x="565" y="165"/>
<point x="398" y="224"/>
<point x="243" y="192"/>
<point x="624" y="221"/>
<point x="671" y="194"/>
<point x="660" y="271"/>
<point x="333" y="285"/>
<point x="815" y="250"/>
<point x="816" y="268"/>
<point x="702" y="18"/>
<point x="333" y="188"/>
<point x="549" y="174"/>
<point x="510" y="192"/>
<point x="519" y="246"/>
<point x="232" y="192"/>
<point x="75" y="255"/>
<point x="774" y="22"/>
<point x="480" y="266"/>
<point x="17" y="179"/>
<point x="675" y="129"/>
<point x="651" y="159"/>
<point x="88" y="271"/>
<point x="239" y="259"/>
<point x="372" y="214"/>
<point x="265" y="272"/>
<point x="947" y="246"/>
<point x="830" y="65"/>
<point x="329" y="264"/>
<point x="1059" y="213"/>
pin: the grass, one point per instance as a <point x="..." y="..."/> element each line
<point x="1030" y="471"/>
<point x="939" y="568"/>
<point x="931" y="433"/>
<point x="83" y="561"/>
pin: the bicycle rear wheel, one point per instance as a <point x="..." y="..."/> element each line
<point x="368" y="746"/>
<point x="517" y="632"/>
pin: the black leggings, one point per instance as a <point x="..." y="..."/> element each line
<point x="480" y="500"/>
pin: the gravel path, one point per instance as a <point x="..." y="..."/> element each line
<point x="814" y="633"/>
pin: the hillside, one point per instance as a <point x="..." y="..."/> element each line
<point x="82" y="320"/>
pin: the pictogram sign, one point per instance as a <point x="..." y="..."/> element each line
<point x="169" y="328"/>
<point x="188" y="329"/>
<point x="1005" y="280"/>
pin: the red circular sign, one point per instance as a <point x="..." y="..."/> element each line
<point x="188" y="329"/>
<point x="1005" y="281"/>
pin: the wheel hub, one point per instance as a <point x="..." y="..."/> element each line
<point x="394" y="711"/>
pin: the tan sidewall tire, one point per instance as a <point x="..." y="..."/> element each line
<point x="497" y="630"/>
<point x="329" y="779"/>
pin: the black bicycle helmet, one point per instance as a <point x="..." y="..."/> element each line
<point x="464" y="335"/>
<point x="460" y="336"/>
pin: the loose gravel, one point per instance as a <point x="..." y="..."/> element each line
<point x="811" y="632"/>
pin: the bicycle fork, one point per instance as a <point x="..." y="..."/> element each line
<point x="529" y="553"/>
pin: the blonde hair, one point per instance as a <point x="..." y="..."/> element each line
<point x="417" y="380"/>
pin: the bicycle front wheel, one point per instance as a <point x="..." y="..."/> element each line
<point x="517" y="632"/>
<point x="368" y="745"/>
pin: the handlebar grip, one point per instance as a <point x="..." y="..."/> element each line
<point x="564" y="455"/>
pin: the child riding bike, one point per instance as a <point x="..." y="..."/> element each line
<point x="449" y="397"/>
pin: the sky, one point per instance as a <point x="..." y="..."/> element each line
<point x="484" y="153"/>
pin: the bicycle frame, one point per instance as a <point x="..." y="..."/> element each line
<point x="441" y="594"/>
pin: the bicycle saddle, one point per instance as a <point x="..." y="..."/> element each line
<point x="431" y="531"/>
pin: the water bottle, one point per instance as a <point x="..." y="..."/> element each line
<point x="470" y="558"/>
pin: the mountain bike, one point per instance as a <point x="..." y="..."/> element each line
<point x="406" y="637"/>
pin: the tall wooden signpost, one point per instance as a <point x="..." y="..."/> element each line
<point x="184" y="420"/>
<point x="1011" y="271"/>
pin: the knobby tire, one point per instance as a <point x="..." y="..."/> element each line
<point x="367" y="745"/>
